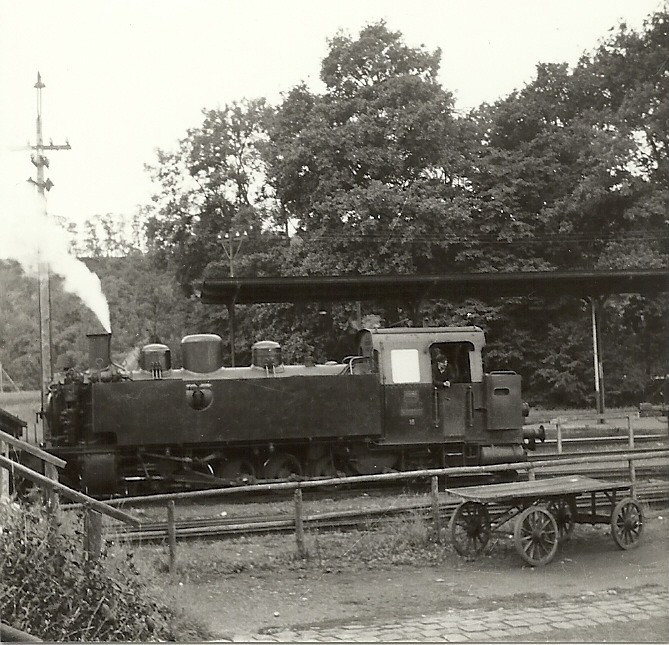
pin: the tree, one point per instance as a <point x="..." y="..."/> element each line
<point x="570" y="176"/>
<point x="378" y="175"/>
<point x="212" y="185"/>
<point x="372" y="173"/>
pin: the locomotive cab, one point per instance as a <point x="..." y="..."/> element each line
<point x="434" y="393"/>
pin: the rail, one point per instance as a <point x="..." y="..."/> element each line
<point x="385" y="477"/>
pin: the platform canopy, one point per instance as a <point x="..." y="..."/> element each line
<point x="452" y="286"/>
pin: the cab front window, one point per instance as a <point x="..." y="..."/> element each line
<point x="404" y="366"/>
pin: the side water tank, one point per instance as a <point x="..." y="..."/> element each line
<point x="155" y="356"/>
<point x="266" y="354"/>
<point x="202" y="353"/>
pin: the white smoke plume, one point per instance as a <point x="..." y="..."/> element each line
<point x="27" y="235"/>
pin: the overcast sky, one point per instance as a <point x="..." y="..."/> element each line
<point x="124" y="77"/>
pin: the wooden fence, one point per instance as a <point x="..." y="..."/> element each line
<point x="432" y="474"/>
<point x="50" y="484"/>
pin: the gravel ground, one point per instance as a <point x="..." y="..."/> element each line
<point x="277" y="592"/>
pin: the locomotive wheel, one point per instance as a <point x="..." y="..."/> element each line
<point x="470" y="529"/>
<point x="323" y="467"/>
<point x="563" y="509"/>
<point x="236" y="470"/>
<point x="282" y="466"/>
<point x="536" y="536"/>
<point x="626" y="523"/>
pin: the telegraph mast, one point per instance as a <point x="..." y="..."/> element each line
<point x="43" y="186"/>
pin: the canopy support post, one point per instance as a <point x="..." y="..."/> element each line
<point x="596" y="309"/>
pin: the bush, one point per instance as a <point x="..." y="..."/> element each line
<point x="49" y="589"/>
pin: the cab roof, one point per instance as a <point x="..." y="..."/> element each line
<point x="425" y="330"/>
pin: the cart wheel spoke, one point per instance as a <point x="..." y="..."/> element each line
<point x="563" y="509"/>
<point x="470" y="529"/>
<point x="535" y="535"/>
<point x="627" y="523"/>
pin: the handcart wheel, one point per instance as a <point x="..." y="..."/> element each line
<point x="536" y="536"/>
<point x="470" y="529"/>
<point x="563" y="509"/>
<point x="626" y="523"/>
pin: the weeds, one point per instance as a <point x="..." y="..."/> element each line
<point x="50" y="589"/>
<point x="400" y="541"/>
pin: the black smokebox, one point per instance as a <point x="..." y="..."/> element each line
<point x="99" y="350"/>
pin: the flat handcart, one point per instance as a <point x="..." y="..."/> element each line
<point x="545" y="511"/>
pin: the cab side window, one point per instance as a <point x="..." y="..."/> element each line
<point x="450" y="362"/>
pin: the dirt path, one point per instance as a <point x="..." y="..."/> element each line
<point x="588" y="564"/>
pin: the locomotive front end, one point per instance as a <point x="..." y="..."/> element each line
<point x="69" y="429"/>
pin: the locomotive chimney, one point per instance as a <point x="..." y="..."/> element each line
<point x="99" y="350"/>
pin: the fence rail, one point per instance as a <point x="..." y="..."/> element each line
<point x="433" y="474"/>
<point x="69" y="493"/>
<point x="43" y="455"/>
<point x="10" y="635"/>
<point x="385" y="477"/>
<point x="94" y="509"/>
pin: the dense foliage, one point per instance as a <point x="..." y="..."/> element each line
<point x="378" y="174"/>
<point x="51" y="590"/>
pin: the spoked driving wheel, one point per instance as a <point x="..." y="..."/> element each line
<point x="536" y="536"/>
<point x="626" y="523"/>
<point x="282" y="466"/>
<point x="470" y="529"/>
<point x="236" y="470"/>
<point x="563" y="509"/>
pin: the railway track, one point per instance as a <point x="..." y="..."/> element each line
<point x="652" y="488"/>
<point x="653" y="494"/>
<point x="616" y="468"/>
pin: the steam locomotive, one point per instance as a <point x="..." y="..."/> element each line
<point x="388" y="407"/>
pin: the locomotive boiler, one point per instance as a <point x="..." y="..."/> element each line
<point x="409" y="398"/>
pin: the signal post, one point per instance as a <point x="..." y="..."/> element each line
<point x="43" y="186"/>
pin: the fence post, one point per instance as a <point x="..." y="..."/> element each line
<point x="434" y="494"/>
<point x="299" y="523"/>
<point x="632" y="468"/>
<point x="558" y="426"/>
<point x="4" y="473"/>
<point x="171" y="536"/>
<point x="93" y="533"/>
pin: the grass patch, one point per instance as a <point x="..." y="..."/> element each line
<point x="407" y="540"/>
